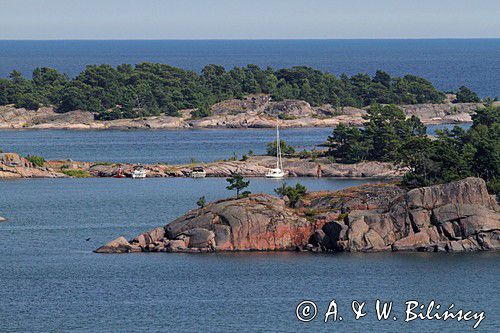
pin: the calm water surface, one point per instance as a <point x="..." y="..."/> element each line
<point x="50" y="281"/>
<point x="172" y="146"/>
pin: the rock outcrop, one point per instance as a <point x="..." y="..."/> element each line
<point x="14" y="166"/>
<point x="254" y="111"/>
<point x="253" y="166"/>
<point x="459" y="216"/>
<point x="259" y="222"/>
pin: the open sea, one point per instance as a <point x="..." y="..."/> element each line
<point x="51" y="281"/>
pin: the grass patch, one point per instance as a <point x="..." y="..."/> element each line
<point x="103" y="163"/>
<point x="75" y="173"/>
<point x="36" y="160"/>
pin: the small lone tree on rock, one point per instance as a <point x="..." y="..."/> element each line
<point x="236" y="182"/>
<point x="201" y="202"/>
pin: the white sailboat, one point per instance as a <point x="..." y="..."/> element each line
<point x="277" y="173"/>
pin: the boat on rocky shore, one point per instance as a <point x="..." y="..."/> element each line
<point x="253" y="166"/>
<point x="454" y="217"/>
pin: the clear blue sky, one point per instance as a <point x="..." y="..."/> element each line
<point x="248" y="19"/>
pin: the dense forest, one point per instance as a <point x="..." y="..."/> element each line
<point x="151" y="89"/>
<point x="453" y="154"/>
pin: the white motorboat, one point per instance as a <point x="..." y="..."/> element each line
<point x="198" y="172"/>
<point x="139" y="172"/>
<point x="278" y="172"/>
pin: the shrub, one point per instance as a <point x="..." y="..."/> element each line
<point x="285" y="149"/>
<point x="201" y="202"/>
<point x="76" y="173"/>
<point x="36" y="160"/>
<point x="294" y="194"/>
<point x="465" y="95"/>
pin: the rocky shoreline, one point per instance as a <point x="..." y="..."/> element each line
<point x="455" y="217"/>
<point x="255" y="111"/>
<point x="14" y="166"/>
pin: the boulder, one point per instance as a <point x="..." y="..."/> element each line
<point x="149" y="237"/>
<point x="119" y="245"/>
<point x="2" y="219"/>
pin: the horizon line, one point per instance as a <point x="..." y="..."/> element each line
<point x="248" y="39"/>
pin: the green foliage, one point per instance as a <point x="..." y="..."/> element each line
<point x="386" y="131"/>
<point x="201" y="112"/>
<point x="465" y="95"/>
<point x="36" y="160"/>
<point x="201" y="202"/>
<point x="76" y="173"/>
<point x="151" y="89"/>
<point x="456" y="153"/>
<point x="236" y="182"/>
<point x="294" y="194"/>
<point x="452" y="155"/>
<point x="285" y="149"/>
<point x="494" y="186"/>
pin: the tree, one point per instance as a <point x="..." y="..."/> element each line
<point x="465" y="95"/>
<point x="236" y="182"/>
<point x="150" y="89"/>
<point x="294" y="194"/>
<point x="347" y="144"/>
<point x="201" y="202"/>
<point x="201" y="112"/>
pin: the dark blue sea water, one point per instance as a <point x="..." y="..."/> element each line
<point x="50" y="281"/>
<point x="147" y="146"/>
<point x="448" y="63"/>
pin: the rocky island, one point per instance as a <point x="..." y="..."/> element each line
<point x="253" y="111"/>
<point x="14" y="166"/>
<point x="453" y="217"/>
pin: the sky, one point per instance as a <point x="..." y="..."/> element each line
<point x="248" y="19"/>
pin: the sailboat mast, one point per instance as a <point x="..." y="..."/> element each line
<point x="278" y="146"/>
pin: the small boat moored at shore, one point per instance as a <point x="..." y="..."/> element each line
<point x="198" y="172"/>
<point x="119" y="173"/>
<point x="139" y="172"/>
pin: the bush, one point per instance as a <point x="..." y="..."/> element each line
<point x="465" y="95"/>
<point x="36" y="160"/>
<point x="285" y="149"/>
<point x="76" y="173"/>
<point x="201" y="202"/>
<point x="294" y="194"/>
<point x="494" y="187"/>
<point x="201" y="112"/>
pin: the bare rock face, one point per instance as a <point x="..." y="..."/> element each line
<point x="459" y="216"/>
<point x="259" y="222"/>
<point x="14" y="166"/>
<point x="119" y="245"/>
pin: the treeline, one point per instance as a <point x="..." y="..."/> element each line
<point x="453" y="154"/>
<point x="151" y="89"/>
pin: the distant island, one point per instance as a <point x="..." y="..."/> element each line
<point x="150" y="89"/>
